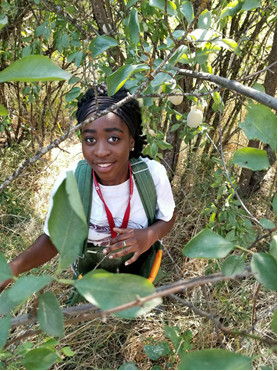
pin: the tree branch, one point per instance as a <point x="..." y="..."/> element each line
<point x="83" y="312"/>
<point x="258" y="96"/>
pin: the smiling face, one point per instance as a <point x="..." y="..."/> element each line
<point x="106" y="143"/>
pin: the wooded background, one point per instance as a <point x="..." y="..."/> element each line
<point x="221" y="57"/>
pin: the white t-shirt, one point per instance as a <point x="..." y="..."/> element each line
<point x="116" y="198"/>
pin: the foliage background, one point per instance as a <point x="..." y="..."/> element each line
<point x="112" y="41"/>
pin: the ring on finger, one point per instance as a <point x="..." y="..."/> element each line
<point x="124" y="243"/>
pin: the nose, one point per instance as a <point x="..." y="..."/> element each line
<point x="102" y="149"/>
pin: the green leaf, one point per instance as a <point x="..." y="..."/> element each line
<point x="173" y="333"/>
<point x="231" y="9"/>
<point x="250" y="4"/>
<point x="273" y="247"/>
<point x="21" y="290"/>
<point x="133" y="26"/>
<point x="67" y="222"/>
<point x="181" y="342"/>
<point x="267" y="224"/>
<point x="181" y="52"/>
<point x="76" y="57"/>
<point x="251" y="158"/>
<point x="33" y="68"/>
<point x="73" y="94"/>
<point x="207" y="244"/>
<point x="204" y="20"/>
<point x="50" y="316"/>
<point x="130" y="3"/>
<point x="214" y="359"/>
<point x="117" y="79"/>
<point x="3" y="110"/>
<point x="218" y="104"/>
<point x="5" y="324"/>
<point x="274" y="322"/>
<point x="39" y="359"/>
<point x="164" y="145"/>
<point x="3" y="21"/>
<point x="128" y="366"/>
<point x="68" y="352"/>
<point x="260" y="123"/>
<point x="202" y="35"/>
<point x="226" y="44"/>
<point x="100" y="44"/>
<point x="187" y="11"/>
<point x="160" y="4"/>
<point x="160" y="78"/>
<point x="5" y="270"/>
<point x="43" y="30"/>
<point x="108" y="290"/>
<point x="233" y="265"/>
<point x="264" y="267"/>
<point x="274" y="203"/>
<point x="154" y="352"/>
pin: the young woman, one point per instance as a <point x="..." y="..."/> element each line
<point x="120" y="243"/>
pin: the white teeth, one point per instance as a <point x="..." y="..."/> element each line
<point x="104" y="165"/>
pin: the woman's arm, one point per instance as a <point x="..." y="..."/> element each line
<point x="137" y="240"/>
<point x="40" y="252"/>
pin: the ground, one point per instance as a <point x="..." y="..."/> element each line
<point x="96" y="345"/>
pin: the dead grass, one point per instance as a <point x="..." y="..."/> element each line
<point x="108" y="345"/>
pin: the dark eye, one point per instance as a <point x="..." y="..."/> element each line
<point x="90" y="140"/>
<point x="113" y="139"/>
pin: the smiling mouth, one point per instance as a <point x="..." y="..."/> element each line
<point x="104" y="165"/>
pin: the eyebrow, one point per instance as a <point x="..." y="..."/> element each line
<point x="107" y="130"/>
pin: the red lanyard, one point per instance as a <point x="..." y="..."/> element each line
<point x="108" y="212"/>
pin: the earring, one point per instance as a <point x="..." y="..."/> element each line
<point x="132" y="149"/>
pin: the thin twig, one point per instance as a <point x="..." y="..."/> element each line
<point x="215" y="322"/>
<point x="85" y="309"/>
<point x="222" y="328"/>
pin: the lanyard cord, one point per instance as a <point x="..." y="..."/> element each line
<point x="108" y="212"/>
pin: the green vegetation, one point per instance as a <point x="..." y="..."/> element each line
<point x="219" y="281"/>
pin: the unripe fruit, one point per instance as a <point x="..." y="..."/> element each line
<point x="194" y="118"/>
<point x="152" y="133"/>
<point x="140" y="101"/>
<point x="176" y="99"/>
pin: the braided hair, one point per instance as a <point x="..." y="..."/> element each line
<point x="96" y="99"/>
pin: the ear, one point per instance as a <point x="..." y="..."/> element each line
<point x="131" y="143"/>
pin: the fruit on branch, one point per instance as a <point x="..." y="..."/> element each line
<point x="152" y="133"/>
<point x="176" y="99"/>
<point x="194" y="118"/>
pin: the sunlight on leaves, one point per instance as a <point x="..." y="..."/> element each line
<point x="40" y="359"/>
<point x="251" y="158"/>
<point x="207" y="244"/>
<point x="50" y="316"/>
<point x="108" y="290"/>
<point x="67" y="223"/>
<point x="233" y="265"/>
<point x="33" y="68"/>
<point x="264" y="267"/>
<point x="100" y="44"/>
<point x="260" y="123"/>
<point x="214" y="359"/>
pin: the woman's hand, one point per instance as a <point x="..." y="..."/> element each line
<point x="129" y="240"/>
<point x="137" y="240"/>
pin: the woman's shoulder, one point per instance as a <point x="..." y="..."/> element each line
<point x="153" y="165"/>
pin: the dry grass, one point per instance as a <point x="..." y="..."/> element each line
<point x="108" y="345"/>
